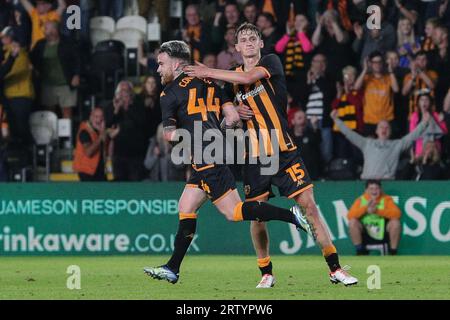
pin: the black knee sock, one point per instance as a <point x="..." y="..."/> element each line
<point x="333" y="262"/>
<point x="185" y="234"/>
<point x="262" y="211"/>
<point x="266" y="270"/>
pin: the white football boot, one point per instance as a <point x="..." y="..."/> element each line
<point x="342" y="276"/>
<point x="267" y="281"/>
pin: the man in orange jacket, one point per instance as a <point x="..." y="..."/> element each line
<point x="374" y="212"/>
<point x="92" y="146"/>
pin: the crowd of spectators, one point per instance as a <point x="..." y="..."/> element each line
<point x="382" y="83"/>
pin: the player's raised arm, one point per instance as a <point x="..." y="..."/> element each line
<point x="237" y="77"/>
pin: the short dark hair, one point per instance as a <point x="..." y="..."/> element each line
<point x="269" y="17"/>
<point x="177" y="49"/>
<point x="250" y="3"/>
<point x="247" y="27"/>
<point x="420" y="53"/>
<point x="373" y="181"/>
<point x="374" y="54"/>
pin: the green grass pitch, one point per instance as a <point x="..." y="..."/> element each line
<point x="222" y="278"/>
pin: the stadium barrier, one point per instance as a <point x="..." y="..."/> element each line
<point x="142" y="218"/>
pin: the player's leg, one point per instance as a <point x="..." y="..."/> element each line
<point x="294" y="182"/>
<point x="394" y="229"/>
<point x="260" y="239"/>
<point x="191" y="199"/>
<point x="220" y="186"/>
<point x="321" y="235"/>
<point x="232" y="207"/>
<point x="257" y="187"/>
<point x="356" y="230"/>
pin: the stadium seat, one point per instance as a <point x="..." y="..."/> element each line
<point x="131" y="39"/>
<point x="371" y="244"/>
<point x="133" y="22"/>
<point x="99" y="35"/>
<point x="103" y="23"/>
<point x="108" y="63"/>
<point x="154" y="30"/>
<point x="44" y="129"/>
<point x="341" y="169"/>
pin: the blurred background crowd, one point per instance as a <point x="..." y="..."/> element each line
<point x="86" y="100"/>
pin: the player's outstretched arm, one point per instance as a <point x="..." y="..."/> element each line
<point x="236" y="77"/>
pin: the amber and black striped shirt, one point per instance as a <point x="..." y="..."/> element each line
<point x="267" y="98"/>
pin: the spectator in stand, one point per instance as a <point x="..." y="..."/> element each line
<point x="400" y="104"/>
<point x="344" y="9"/>
<point x="160" y="7"/>
<point x="92" y="147"/>
<point x="250" y="12"/>
<point x="368" y="41"/>
<point x="111" y="8"/>
<point x="229" y="57"/>
<point x="149" y="60"/>
<point x="321" y="90"/>
<point x="210" y="60"/>
<point x="427" y="43"/>
<point x="7" y="64"/>
<point x="381" y="155"/>
<point x="58" y="65"/>
<point x="6" y="13"/>
<point x="332" y="40"/>
<point x="419" y="80"/>
<point x="379" y="88"/>
<point x="195" y="33"/>
<point x="41" y="14"/>
<point x="281" y="10"/>
<point x="429" y="165"/>
<point x="22" y="26"/>
<point x="150" y="97"/>
<point x="270" y="36"/>
<point x="5" y="68"/>
<point x="408" y="9"/>
<point x="407" y="43"/>
<point x="295" y="45"/>
<point x="349" y="106"/>
<point x="440" y="62"/>
<point x="425" y="105"/>
<point x="159" y="162"/>
<point x="18" y="89"/>
<point x="127" y="113"/>
<point x="374" y="213"/>
<point x="227" y="16"/>
<point x="308" y="139"/>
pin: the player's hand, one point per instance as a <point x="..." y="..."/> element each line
<point x="198" y="71"/>
<point x="245" y="113"/>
